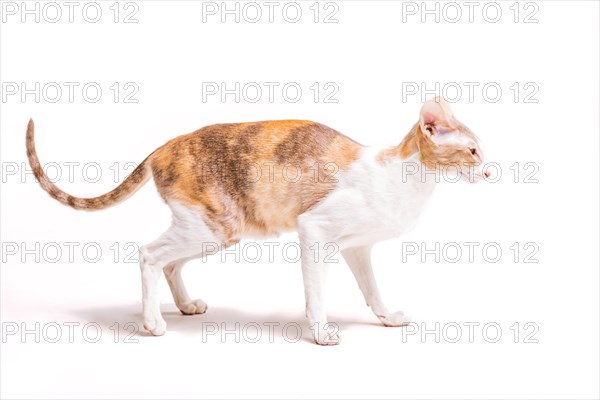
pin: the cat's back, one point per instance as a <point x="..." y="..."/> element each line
<point x="276" y="139"/>
<point x="236" y="147"/>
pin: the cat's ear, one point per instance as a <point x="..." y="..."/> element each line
<point x="435" y="114"/>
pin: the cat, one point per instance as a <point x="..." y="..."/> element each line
<point x="226" y="182"/>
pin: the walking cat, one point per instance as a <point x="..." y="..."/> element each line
<point x="227" y="182"/>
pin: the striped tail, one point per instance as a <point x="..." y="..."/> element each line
<point x="129" y="186"/>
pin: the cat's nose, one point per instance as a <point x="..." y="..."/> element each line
<point x="487" y="174"/>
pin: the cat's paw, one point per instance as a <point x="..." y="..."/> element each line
<point x="396" y="319"/>
<point x="156" y="326"/>
<point x="327" y="337"/>
<point x="193" y="307"/>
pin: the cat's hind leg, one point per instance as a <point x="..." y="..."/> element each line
<point x="187" y="237"/>
<point x="172" y="271"/>
<point x="186" y="305"/>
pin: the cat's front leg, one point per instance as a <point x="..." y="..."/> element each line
<point x="312" y="238"/>
<point x="359" y="261"/>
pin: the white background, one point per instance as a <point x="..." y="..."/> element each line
<point x="369" y="54"/>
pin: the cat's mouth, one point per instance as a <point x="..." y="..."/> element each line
<point x="475" y="177"/>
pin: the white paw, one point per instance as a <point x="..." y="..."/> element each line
<point x="328" y="336"/>
<point x="156" y="326"/>
<point x="329" y="339"/>
<point x="193" y="307"/>
<point x="396" y="319"/>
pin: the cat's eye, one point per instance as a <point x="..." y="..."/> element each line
<point x="473" y="151"/>
<point x="429" y="129"/>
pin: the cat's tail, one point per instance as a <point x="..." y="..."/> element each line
<point x="129" y="186"/>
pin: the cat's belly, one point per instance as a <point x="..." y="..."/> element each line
<point x="269" y="230"/>
<point x="376" y="230"/>
<point x="366" y="238"/>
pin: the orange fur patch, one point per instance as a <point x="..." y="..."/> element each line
<point x="432" y="155"/>
<point x="253" y="177"/>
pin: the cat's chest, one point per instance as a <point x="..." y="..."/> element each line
<point x="383" y="205"/>
<point x="395" y="207"/>
<point x="372" y="224"/>
<point x="372" y="202"/>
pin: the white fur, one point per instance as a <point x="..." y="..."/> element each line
<point x="455" y="138"/>
<point x="372" y="202"/>
<point x="182" y="242"/>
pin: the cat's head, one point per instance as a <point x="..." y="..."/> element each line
<point x="444" y="141"/>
